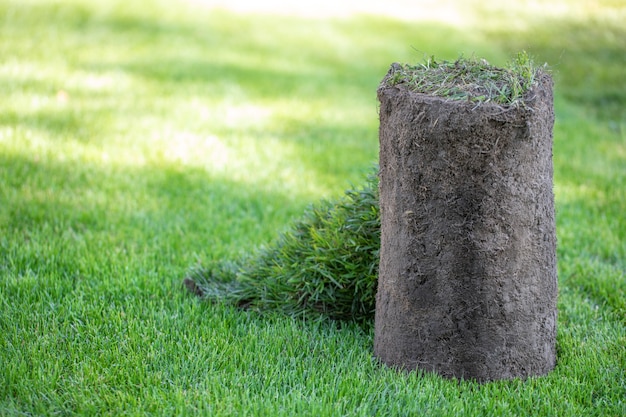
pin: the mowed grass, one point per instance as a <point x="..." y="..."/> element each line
<point x="138" y="139"/>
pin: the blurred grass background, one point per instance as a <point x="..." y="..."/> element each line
<point x="140" y="138"/>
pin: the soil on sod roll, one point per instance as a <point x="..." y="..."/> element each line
<point x="468" y="283"/>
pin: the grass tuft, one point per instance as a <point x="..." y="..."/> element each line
<point x="470" y="79"/>
<point x="326" y="264"/>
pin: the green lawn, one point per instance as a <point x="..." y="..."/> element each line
<point x="138" y="139"/>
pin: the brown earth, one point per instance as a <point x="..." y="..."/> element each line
<point x="468" y="279"/>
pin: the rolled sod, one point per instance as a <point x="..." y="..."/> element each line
<point x="467" y="283"/>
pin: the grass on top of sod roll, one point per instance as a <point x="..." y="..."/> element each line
<point x="470" y="79"/>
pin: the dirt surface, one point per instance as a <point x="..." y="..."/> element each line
<point x="468" y="278"/>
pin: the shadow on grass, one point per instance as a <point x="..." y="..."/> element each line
<point x="140" y="211"/>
